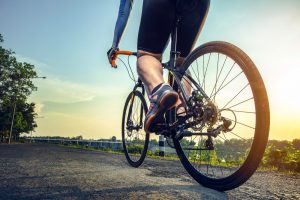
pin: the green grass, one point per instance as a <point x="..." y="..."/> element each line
<point x="87" y="148"/>
<point x="170" y="157"/>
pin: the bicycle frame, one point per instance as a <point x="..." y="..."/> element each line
<point x="174" y="77"/>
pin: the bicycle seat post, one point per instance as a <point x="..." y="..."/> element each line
<point x="174" y="53"/>
<point x="171" y="114"/>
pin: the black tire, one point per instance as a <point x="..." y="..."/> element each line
<point x="262" y="120"/>
<point x="135" y="142"/>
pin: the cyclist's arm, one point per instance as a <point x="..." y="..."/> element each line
<point x="124" y="12"/>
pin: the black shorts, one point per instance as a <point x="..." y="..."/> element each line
<point x="158" y="19"/>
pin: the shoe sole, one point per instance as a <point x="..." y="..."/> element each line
<point x="166" y="103"/>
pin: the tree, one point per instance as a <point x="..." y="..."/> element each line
<point x="79" y="137"/>
<point x="15" y="87"/>
<point x="23" y="120"/>
<point x="296" y="144"/>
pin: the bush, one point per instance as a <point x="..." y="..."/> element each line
<point x="137" y="149"/>
<point x="286" y="158"/>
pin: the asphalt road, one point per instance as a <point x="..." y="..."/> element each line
<point x="38" y="171"/>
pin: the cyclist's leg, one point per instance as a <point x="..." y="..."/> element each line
<point x="149" y="69"/>
<point x="190" y="26"/>
<point x="155" y="28"/>
<point x="189" y="29"/>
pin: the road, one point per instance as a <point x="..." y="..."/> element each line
<point x="39" y="171"/>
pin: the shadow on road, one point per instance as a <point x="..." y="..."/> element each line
<point x="52" y="172"/>
<point x="144" y="192"/>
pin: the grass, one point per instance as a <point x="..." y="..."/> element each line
<point x="169" y="157"/>
<point x="87" y="148"/>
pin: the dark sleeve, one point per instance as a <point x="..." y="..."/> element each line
<point x="124" y="12"/>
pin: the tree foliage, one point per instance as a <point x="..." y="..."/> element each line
<point x="283" y="155"/>
<point x="15" y="86"/>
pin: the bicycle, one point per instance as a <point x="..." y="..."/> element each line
<point x="204" y="136"/>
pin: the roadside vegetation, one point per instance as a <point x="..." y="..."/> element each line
<point x="283" y="156"/>
<point x="16" y="113"/>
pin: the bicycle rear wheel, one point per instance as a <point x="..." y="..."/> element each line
<point x="135" y="140"/>
<point x="229" y="89"/>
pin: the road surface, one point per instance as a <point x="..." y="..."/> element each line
<point x="40" y="171"/>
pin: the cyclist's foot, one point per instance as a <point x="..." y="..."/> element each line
<point x="161" y="100"/>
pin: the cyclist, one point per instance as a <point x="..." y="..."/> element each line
<point x="157" y="22"/>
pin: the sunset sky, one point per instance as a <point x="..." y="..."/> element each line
<point x="67" y="41"/>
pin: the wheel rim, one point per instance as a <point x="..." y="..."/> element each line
<point x="134" y="136"/>
<point x="229" y="92"/>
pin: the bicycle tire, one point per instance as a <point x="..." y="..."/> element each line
<point x="132" y="149"/>
<point x="262" y="122"/>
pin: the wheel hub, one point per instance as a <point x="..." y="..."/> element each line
<point x="210" y="115"/>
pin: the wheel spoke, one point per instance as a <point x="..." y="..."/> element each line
<point x="220" y="88"/>
<point x="215" y="84"/>
<point x="240" y="103"/>
<point x="221" y="137"/>
<point x="236" y="95"/>
<point x="195" y="72"/>
<point x="198" y="71"/>
<point x="242" y="111"/>
<point x="226" y="76"/>
<point x="240" y="123"/>
<point x="220" y="72"/>
<point x="237" y="135"/>
<point x="204" y="72"/>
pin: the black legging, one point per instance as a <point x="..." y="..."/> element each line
<point x="158" y="17"/>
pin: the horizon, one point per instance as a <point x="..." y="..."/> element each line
<point x="120" y="139"/>
<point x="82" y="95"/>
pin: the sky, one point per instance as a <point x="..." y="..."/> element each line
<point x="67" y="41"/>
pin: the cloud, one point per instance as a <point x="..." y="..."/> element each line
<point x="40" y="66"/>
<point x="53" y="89"/>
<point x="68" y="98"/>
<point x="56" y="90"/>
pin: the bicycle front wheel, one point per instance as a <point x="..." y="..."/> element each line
<point x="231" y="117"/>
<point x="135" y="140"/>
